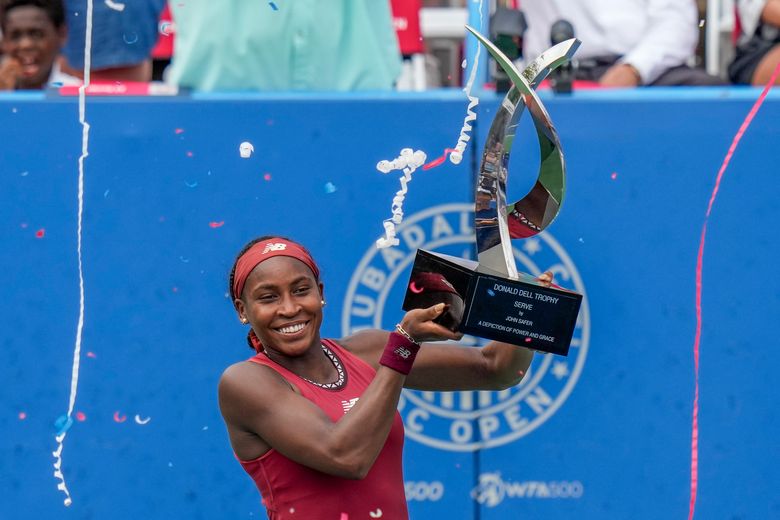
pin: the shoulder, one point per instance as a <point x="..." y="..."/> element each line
<point x="247" y="385"/>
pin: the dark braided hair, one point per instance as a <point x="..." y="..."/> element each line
<point x="232" y="276"/>
<point x="54" y="9"/>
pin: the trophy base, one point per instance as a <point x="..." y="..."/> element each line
<point x="521" y="312"/>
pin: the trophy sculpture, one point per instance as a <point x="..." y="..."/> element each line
<point x="490" y="298"/>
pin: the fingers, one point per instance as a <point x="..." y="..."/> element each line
<point x="546" y="278"/>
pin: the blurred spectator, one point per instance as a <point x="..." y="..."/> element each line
<point x="758" y="43"/>
<point x="123" y="34"/>
<point x="289" y="45"/>
<point x="33" y="33"/>
<point x="625" y="43"/>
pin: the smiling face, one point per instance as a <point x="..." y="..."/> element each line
<point x="282" y="301"/>
<point x="31" y="38"/>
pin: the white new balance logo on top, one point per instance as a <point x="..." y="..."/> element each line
<point x="347" y="405"/>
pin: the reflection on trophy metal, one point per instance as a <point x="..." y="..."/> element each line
<point x="495" y="223"/>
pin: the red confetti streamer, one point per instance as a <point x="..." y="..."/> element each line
<point x="119" y="418"/>
<point x="267" y="176"/>
<point x="40" y="233"/>
<point x="436" y="162"/>
<point x="217" y="224"/>
<point x="22" y="416"/>
<point x="81" y="416"/>
<point x="699" y="266"/>
<point x="613" y="176"/>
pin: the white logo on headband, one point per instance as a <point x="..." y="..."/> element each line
<point x="274" y="247"/>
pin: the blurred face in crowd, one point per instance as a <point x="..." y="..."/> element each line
<point x="31" y="39"/>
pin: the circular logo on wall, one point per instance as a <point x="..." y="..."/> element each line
<point x="467" y="420"/>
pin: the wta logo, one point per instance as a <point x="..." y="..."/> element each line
<point x="469" y="420"/>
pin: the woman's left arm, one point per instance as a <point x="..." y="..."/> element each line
<point x="449" y="367"/>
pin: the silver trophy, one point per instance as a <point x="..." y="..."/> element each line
<point x="491" y="298"/>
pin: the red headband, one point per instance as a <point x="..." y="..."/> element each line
<point x="264" y="250"/>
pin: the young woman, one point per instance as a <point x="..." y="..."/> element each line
<point x="313" y="421"/>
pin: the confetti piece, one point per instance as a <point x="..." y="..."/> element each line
<point x="81" y="416"/>
<point x="138" y="419"/>
<point x="189" y="154"/>
<point x="273" y="6"/>
<point x="528" y="340"/>
<point x="701" y="23"/>
<point x="204" y="428"/>
<point x="170" y="464"/>
<point x="175" y="289"/>
<point x="344" y="516"/>
<point x="24" y="174"/>
<point x="267" y="176"/>
<point x="22" y="416"/>
<point x="375" y="514"/>
<point x="436" y="162"/>
<point x="613" y="176"/>
<point x="130" y="38"/>
<point x="292" y="510"/>
<point x="63" y="424"/>
<point x="91" y="355"/>
<point x="414" y="289"/>
<point x="105" y="194"/>
<point x="23" y="225"/>
<point x="179" y="131"/>
<point x="40" y="233"/>
<point x="119" y="418"/>
<point x="116" y="6"/>
<point x="185" y="260"/>
<point x="217" y="224"/>
<point x="330" y="187"/>
<point x="246" y="149"/>
<point x="166" y="28"/>
<point x="191" y="185"/>
<point x="491" y="292"/>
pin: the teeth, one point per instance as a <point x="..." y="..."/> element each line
<point x="292" y="329"/>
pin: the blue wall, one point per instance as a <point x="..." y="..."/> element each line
<point x="604" y="433"/>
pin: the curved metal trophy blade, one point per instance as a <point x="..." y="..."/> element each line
<point x="495" y="223"/>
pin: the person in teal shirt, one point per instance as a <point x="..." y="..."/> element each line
<point x="327" y="45"/>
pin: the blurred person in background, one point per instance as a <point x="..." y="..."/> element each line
<point x="233" y="45"/>
<point x="758" y="43"/>
<point x="123" y="35"/>
<point x="625" y="43"/>
<point x="33" y="33"/>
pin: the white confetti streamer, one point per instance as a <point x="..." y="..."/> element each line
<point x="408" y="161"/>
<point x="457" y="156"/>
<point x="74" y="377"/>
<point x="116" y="6"/>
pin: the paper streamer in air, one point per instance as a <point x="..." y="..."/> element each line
<point x="74" y="377"/>
<point x="699" y="265"/>
<point x="408" y="161"/>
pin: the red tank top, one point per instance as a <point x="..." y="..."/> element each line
<point x="294" y="491"/>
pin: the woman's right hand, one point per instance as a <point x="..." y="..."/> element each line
<point x="419" y="324"/>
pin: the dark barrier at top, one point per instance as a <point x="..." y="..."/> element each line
<point x="168" y="202"/>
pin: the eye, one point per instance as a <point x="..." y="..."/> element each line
<point x="303" y="289"/>
<point x="266" y="297"/>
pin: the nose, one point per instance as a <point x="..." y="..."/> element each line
<point x="288" y="306"/>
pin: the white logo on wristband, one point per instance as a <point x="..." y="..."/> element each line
<point x="468" y="420"/>
<point x="403" y="352"/>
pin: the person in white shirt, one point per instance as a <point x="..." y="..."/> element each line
<point x="33" y="33"/>
<point x="625" y="43"/>
<point x="758" y="46"/>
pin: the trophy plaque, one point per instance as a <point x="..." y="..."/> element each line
<point x="489" y="298"/>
